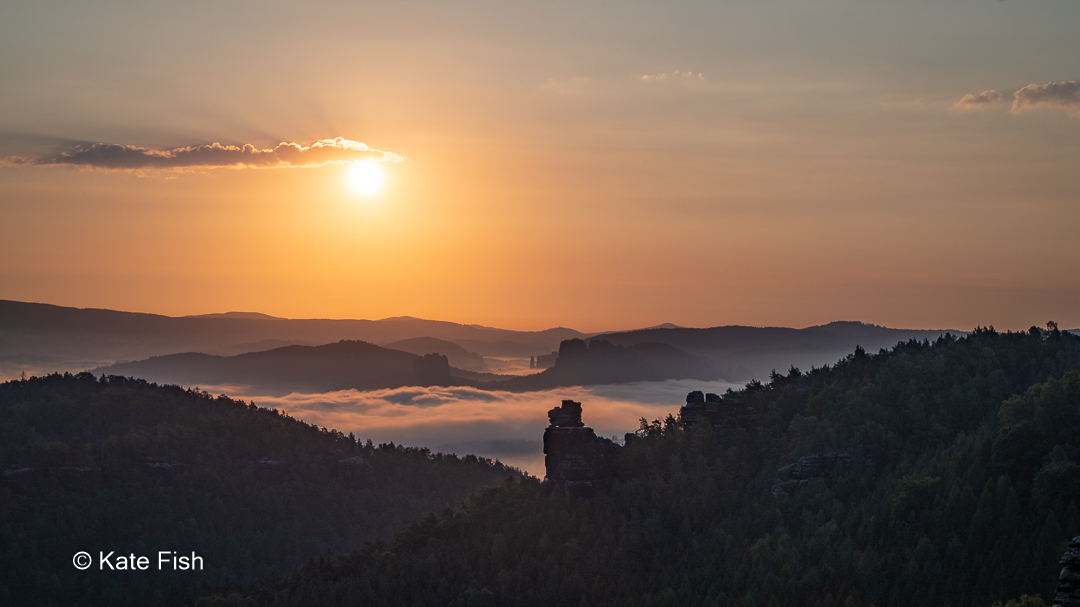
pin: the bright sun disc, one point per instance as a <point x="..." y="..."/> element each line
<point x="365" y="178"/>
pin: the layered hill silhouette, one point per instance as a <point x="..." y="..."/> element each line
<point x="598" y="361"/>
<point x="364" y="366"/>
<point x="39" y="338"/>
<point x="338" y="366"/>
<point x="459" y="357"/>
<point x="218" y="349"/>
<point x="744" y="353"/>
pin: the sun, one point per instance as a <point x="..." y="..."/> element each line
<point x="365" y="178"/>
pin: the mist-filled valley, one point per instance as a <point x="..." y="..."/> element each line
<point x="930" y="472"/>
<point x="260" y="443"/>
<point x="489" y="397"/>
<point x="532" y="304"/>
<point x="495" y="424"/>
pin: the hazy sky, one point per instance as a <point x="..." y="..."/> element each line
<point x="598" y="165"/>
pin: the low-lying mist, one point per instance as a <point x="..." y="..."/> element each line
<point x="500" y="425"/>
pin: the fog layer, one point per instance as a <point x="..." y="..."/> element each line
<point x="494" y="424"/>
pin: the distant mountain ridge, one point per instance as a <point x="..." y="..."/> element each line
<point x="364" y="366"/>
<point x="459" y="357"/>
<point x="40" y="338"/>
<point x="338" y="366"/>
<point x="247" y="315"/>
<point x="744" y="353"/>
<point x="358" y="365"/>
<point x="43" y="338"/>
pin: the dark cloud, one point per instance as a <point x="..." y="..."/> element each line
<point x="983" y="99"/>
<point x="1055" y="95"/>
<point x="128" y="157"/>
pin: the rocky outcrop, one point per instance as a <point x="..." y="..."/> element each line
<point x="567" y="415"/>
<point x="792" y="477"/>
<point x="1068" y="586"/>
<point x="543" y="361"/>
<point x="575" y="457"/>
<point x="713" y="409"/>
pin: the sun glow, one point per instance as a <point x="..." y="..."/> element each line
<point x="366" y="178"/>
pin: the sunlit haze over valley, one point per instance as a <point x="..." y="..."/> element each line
<point x="478" y="303"/>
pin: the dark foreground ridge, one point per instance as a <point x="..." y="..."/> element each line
<point x="941" y="473"/>
<point x="120" y="465"/>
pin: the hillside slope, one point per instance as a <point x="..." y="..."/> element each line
<point x="965" y="493"/>
<point x="338" y="366"/>
<point x="745" y="353"/>
<point x="125" y="466"/>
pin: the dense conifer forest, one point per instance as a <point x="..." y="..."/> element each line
<point x="116" y="464"/>
<point x="968" y="498"/>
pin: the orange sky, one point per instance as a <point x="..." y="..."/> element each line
<point x="817" y="169"/>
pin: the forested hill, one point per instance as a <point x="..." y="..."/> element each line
<point x="965" y="493"/>
<point x="40" y="338"/>
<point x="126" y="466"/>
<point x="364" y="366"/>
<point x="582" y="363"/>
<point x="745" y="353"/>
<point x="338" y="366"/>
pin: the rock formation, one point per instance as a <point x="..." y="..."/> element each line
<point x="546" y="361"/>
<point x="711" y="408"/>
<point x="1068" y="586"/>
<point x="575" y="456"/>
<point x="820" y="465"/>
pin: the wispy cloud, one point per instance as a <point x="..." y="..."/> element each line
<point x="1054" y="95"/>
<point x="676" y="75"/>
<point x="110" y="156"/>
<point x="983" y="99"/>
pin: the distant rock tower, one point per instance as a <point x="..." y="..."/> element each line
<point x="1068" y="586"/>
<point x="575" y="456"/>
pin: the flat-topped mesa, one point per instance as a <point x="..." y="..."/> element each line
<point x="718" y="411"/>
<point x="575" y="456"/>
<point x="1068" y="586"/>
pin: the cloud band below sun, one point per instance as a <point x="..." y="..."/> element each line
<point x="111" y="156"/>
